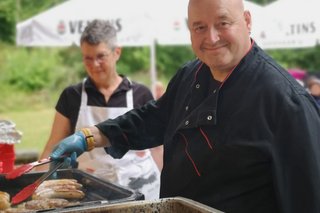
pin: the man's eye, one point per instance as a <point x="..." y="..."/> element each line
<point x="224" y="24"/>
<point x="87" y="58"/>
<point x="101" y="56"/>
<point x="199" y="29"/>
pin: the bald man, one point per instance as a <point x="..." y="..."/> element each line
<point x="239" y="133"/>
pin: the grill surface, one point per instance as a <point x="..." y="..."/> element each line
<point x="95" y="189"/>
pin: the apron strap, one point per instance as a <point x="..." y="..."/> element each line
<point x="129" y="99"/>
<point x="84" y="97"/>
<point x="130" y="103"/>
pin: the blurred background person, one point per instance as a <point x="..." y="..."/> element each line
<point x="102" y="95"/>
<point x="159" y="90"/>
<point x="313" y="85"/>
<point x="299" y="75"/>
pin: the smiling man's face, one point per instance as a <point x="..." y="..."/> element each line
<point x="220" y="32"/>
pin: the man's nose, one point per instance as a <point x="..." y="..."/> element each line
<point x="95" y="62"/>
<point x="213" y="35"/>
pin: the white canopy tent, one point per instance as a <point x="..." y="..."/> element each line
<point x="63" y="24"/>
<point x="170" y="21"/>
<point x="292" y="24"/>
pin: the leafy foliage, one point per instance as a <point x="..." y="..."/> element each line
<point x="133" y="59"/>
<point x="304" y="58"/>
<point x="170" y="58"/>
<point x="28" y="8"/>
<point x="262" y="2"/>
<point x="12" y="11"/>
<point x="26" y="69"/>
<point x="7" y="21"/>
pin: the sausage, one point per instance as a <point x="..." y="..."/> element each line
<point x="61" y="188"/>
<point x="49" y="183"/>
<point x="4" y="200"/>
<point x="59" y="193"/>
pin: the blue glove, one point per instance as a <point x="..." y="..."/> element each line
<point x="72" y="146"/>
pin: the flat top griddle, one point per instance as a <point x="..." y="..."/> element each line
<point x="95" y="189"/>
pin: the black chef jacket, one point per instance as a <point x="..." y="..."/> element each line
<point x="250" y="144"/>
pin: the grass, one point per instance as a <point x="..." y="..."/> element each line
<point x="35" y="126"/>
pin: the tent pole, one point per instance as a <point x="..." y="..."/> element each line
<point x="153" y="71"/>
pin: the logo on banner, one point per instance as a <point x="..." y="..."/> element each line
<point x="61" y="27"/>
<point x="177" y="25"/>
<point x="302" y="29"/>
<point x="77" y="27"/>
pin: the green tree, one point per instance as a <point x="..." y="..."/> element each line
<point x="7" y="21"/>
<point x="13" y="11"/>
<point x="134" y="59"/>
<point x="262" y="2"/>
<point x="170" y="58"/>
<point x="304" y="58"/>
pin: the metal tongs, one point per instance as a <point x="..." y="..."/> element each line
<point x="28" y="190"/>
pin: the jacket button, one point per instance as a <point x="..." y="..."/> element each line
<point x="209" y="118"/>
<point x="214" y="91"/>
<point x="186" y="123"/>
<point x="198" y="86"/>
<point x="187" y="108"/>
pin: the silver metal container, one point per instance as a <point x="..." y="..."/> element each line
<point x="165" y="205"/>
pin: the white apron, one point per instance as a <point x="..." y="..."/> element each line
<point x="136" y="169"/>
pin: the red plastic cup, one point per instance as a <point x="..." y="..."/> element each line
<point x="7" y="157"/>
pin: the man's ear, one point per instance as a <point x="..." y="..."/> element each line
<point x="118" y="51"/>
<point x="247" y="18"/>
